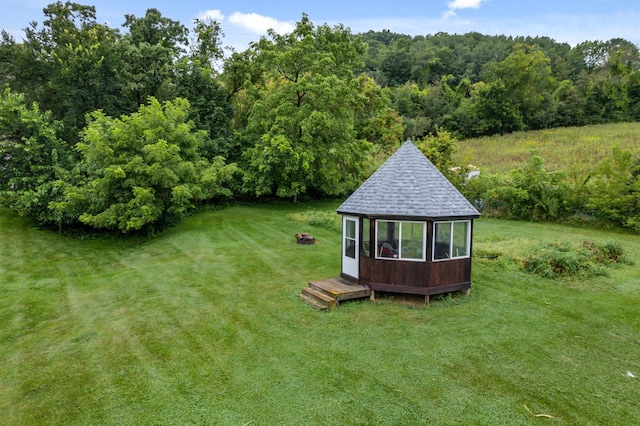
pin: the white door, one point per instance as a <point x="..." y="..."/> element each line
<point x="350" y="246"/>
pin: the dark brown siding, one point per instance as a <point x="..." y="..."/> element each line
<point x="416" y="277"/>
<point x="416" y="274"/>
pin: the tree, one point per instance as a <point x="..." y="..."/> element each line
<point x="396" y="63"/>
<point x="195" y="80"/>
<point x="439" y="149"/>
<point x="526" y="74"/>
<point x="151" y="47"/>
<point x="206" y="47"/>
<point x="142" y="170"/>
<point x="69" y="65"/>
<point x="307" y="107"/>
<point x="32" y="158"/>
<point x="210" y="109"/>
<point x="377" y="122"/>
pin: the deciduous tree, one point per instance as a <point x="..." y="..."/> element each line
<point x="143" y="169"/>
<point x="307" y="110"/>
<point x="32" y="158"/>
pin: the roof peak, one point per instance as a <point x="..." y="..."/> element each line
<point x="408" y="184"/>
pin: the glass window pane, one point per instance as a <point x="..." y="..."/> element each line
<point x="412" y="243"/>
<point x="350" y="248"/>
<point x="387" y="238"/>
<point x="442" y="240"/>
<point x="460" y="239"/>
<point x="351" y="228"/>
<point x="366" y="236"/>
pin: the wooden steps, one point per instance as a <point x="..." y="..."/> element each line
<point x="327" y="294"/>
<point x="318" y="299"/>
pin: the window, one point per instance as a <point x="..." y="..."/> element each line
<point x="366" y="238"/>
<point x="451" y="240"/>
<point x="350" y="238"/>
<point x="400" y="240"/>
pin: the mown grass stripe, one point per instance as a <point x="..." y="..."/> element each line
<point x="203" y="325"/>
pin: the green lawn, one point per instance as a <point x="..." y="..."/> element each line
<point x="203" y="325"/>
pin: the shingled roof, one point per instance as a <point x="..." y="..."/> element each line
<point x="408" y="185"/>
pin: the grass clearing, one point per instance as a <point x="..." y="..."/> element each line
<point x="203" y="325"/>
<point x="572" y="149"/>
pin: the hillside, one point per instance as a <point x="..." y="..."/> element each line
<point x="568" y="148"/>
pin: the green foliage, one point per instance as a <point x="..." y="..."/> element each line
<point x="310" y="112"/>
<point x="304" y="116"/>
<point x="579" y="192"/>
<point x="143" y="169"/>
<point x="377" y="122"/>
<point x="616" y="189"/>
<point x="149" y="50"/>
<point x="608" y="252"/>
<point x="505" y="83"/>
<point x="69" y="65"/>
<point x="526" y="74"/>
<point x="493" y="111"/>
<point x="554" y="260"/>
<point x="209" y="108"/>
<point x="32" y="158"/>
<point x="439" y="149"/>
<point x="282" y="169"/>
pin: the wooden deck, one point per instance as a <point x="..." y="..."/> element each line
<point x="327" y="294"/>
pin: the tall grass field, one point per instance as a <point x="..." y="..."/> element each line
<point x="572" y="149"/>
<point x="203" y="325"/>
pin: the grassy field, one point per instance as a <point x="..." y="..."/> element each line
<point x="570" y="149"/>
<point x="203" y="325"/>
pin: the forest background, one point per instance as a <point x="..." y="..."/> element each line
<point x="129" y="130"/>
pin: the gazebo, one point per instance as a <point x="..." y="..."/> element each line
<point x="407" y="229"/>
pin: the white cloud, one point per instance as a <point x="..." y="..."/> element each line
<point x="464" y="4"/>
<point x="460" y="4"/>
<point x="214" y="14"/>
<point x="260" y="24"/>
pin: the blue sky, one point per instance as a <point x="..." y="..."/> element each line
<point x="244" y="21"/>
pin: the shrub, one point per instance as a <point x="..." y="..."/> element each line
<point x="556" y="260"/>
<point x="608" y="252"/>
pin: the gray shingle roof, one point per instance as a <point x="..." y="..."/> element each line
<point x="408" y="184"/>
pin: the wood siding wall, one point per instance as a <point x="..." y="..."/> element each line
<point x="418" y="274"/>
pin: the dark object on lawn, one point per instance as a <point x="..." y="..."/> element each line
<point x="305" y="239"/>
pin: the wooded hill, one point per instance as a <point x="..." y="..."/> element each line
<point x="129" y="130"/>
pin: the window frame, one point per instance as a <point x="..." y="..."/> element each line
<point x="451" y="239"/>
<point x="399" y="254"/>
<point x="350" y="242"/>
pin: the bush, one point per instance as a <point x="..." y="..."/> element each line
<point x="556" y="260"/>
<point x="609" y="252"/>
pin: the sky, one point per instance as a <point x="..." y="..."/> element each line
<point x="245" y="21"/>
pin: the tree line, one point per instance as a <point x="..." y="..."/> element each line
<point x="129" y="130"/>
<point x="476" y="85"/>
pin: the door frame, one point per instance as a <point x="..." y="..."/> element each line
<point x="351" y="265"/>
